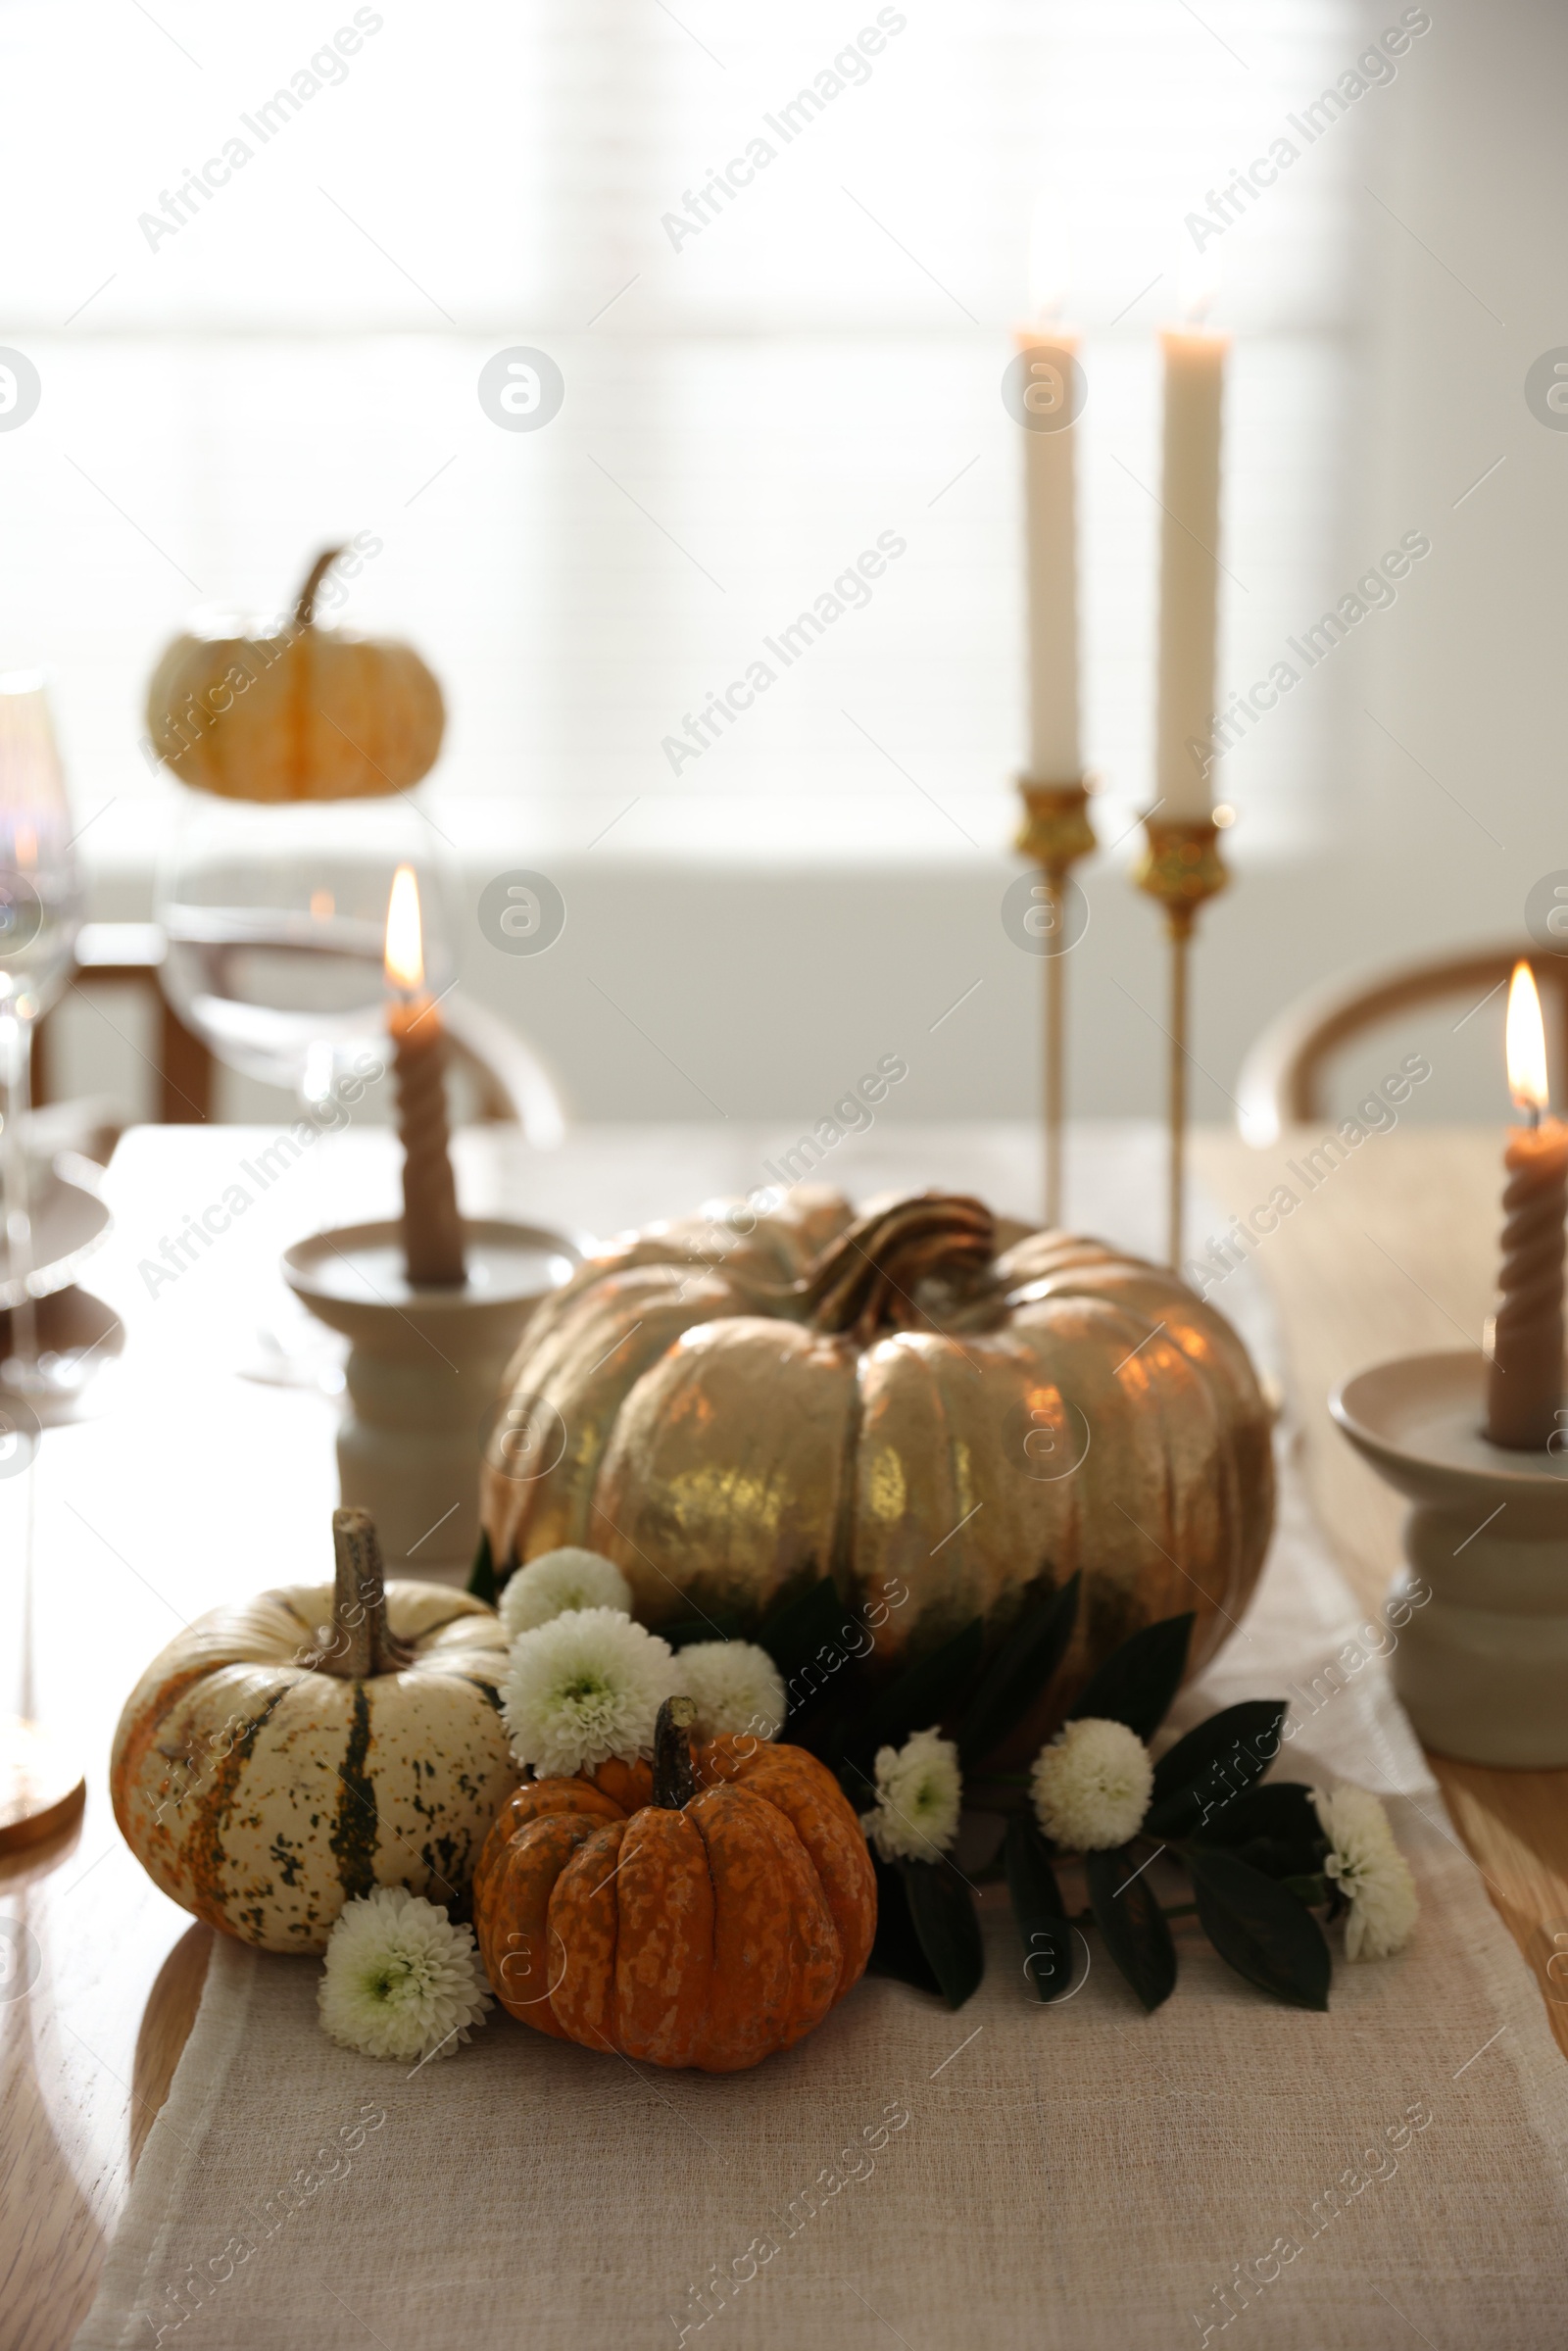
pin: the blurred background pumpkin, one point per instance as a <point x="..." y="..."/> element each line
<point x="298" y="713"/>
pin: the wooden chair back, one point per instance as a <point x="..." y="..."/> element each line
<point x="1284" y="1076"/>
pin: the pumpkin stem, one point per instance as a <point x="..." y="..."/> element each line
<point x="674" y="1777"/>
<point x="866" y="1280"/>
<point x="305" y="603"/>
<point x="363" y="1641"/>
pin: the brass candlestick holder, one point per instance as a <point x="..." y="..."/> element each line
<point x="1054" y="834"/>
<point x="1181" y="868"/>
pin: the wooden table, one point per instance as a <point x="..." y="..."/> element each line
<point x="1395" y="1253"/>
<point x="196" y="1486"/>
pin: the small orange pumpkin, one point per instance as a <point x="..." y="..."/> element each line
<point x="704" y="1913"/>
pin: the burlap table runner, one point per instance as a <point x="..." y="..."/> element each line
<point x="1078" y="2174"/>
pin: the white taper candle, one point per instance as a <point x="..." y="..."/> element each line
<point x="1051" y="524"/>
<point x="1189" y="568"/>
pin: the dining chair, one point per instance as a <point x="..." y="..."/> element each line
<point x="130" y="955"/>
<point x="1284" y="1076"/>
<point x="507" y="1082"/>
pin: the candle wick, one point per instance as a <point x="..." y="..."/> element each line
<point x="1532" y="1116"/>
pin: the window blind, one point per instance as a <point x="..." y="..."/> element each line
<point x="772" y="363"/>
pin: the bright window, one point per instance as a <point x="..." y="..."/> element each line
<point x="749" y="402"/>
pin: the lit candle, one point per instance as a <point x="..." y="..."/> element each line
<point x="1189" y="566"/>
<point x="1524" y="1373"/>
<point x="433" y="1230"/>
<point x="1050" y="459"/>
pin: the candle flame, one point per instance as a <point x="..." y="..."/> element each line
<point x="405" y="943"/>
<point x="1049" y="268"/>
<point x="1526" y="1043"/>
<point x="1196" y="286"/>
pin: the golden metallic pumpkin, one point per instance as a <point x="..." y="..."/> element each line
<point x="303" y="713"/>
<point x="730" y="1406"/>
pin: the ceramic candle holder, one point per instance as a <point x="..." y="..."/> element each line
<point x="1482" y="1665"/>
<point x="424" y="1372"/>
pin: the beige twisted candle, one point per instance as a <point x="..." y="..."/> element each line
<point x="1524" y="1378"/>
<point x="432" y="1229"/>
<point x="1524" y="1374"/>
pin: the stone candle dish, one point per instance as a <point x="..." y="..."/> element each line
<point x="1480" y="1666"/>
<point x="424" y="1372"/>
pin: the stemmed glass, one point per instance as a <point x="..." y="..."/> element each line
<point x="40" y="914"/>
<point x="275" y="921"/>
<point x="275" y="917"/>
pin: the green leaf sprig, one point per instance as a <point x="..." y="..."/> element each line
<point x="1254" y="1852"/>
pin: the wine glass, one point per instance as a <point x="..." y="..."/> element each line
<point x="275" y="917"/>
<point x="40" y="914"/>
<point x="275" y="921"/>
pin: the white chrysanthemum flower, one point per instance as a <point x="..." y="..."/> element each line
<point x="583" y="1688"/>
<point x="1091" y="1786"/>
<point x="1370" y="1870"/>
<point x="558" y="1580"/>
<point x="918" y="1792"/>
<point x="737" y="1687"/>
<point x="400" y="1979"/>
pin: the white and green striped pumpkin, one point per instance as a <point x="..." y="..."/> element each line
<point x="281" y="1757"/>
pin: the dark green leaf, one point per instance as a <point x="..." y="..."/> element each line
<point x="792" y="1631"/>
<point x="928" y="1692"/>
<point x="1261" y="1930"/>
<point x="1029" y="1655"/>
<point x="947" y="1925"/>
<point x="1128" y="1915"/>
<point x="1253" y="1724"/>
<point x="1262" y="1853"/>
<point x="1038" y="1909"/>
<point x="1137" y="1682"/>
<point x="1203" y="1772"/>
<point x="482" y="1574"/>
<point x="1274" y="1827"/>
<point x="1312" y="1890"/>
<point x="896" y="1951"/>
<point x="820" y="1723"/>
